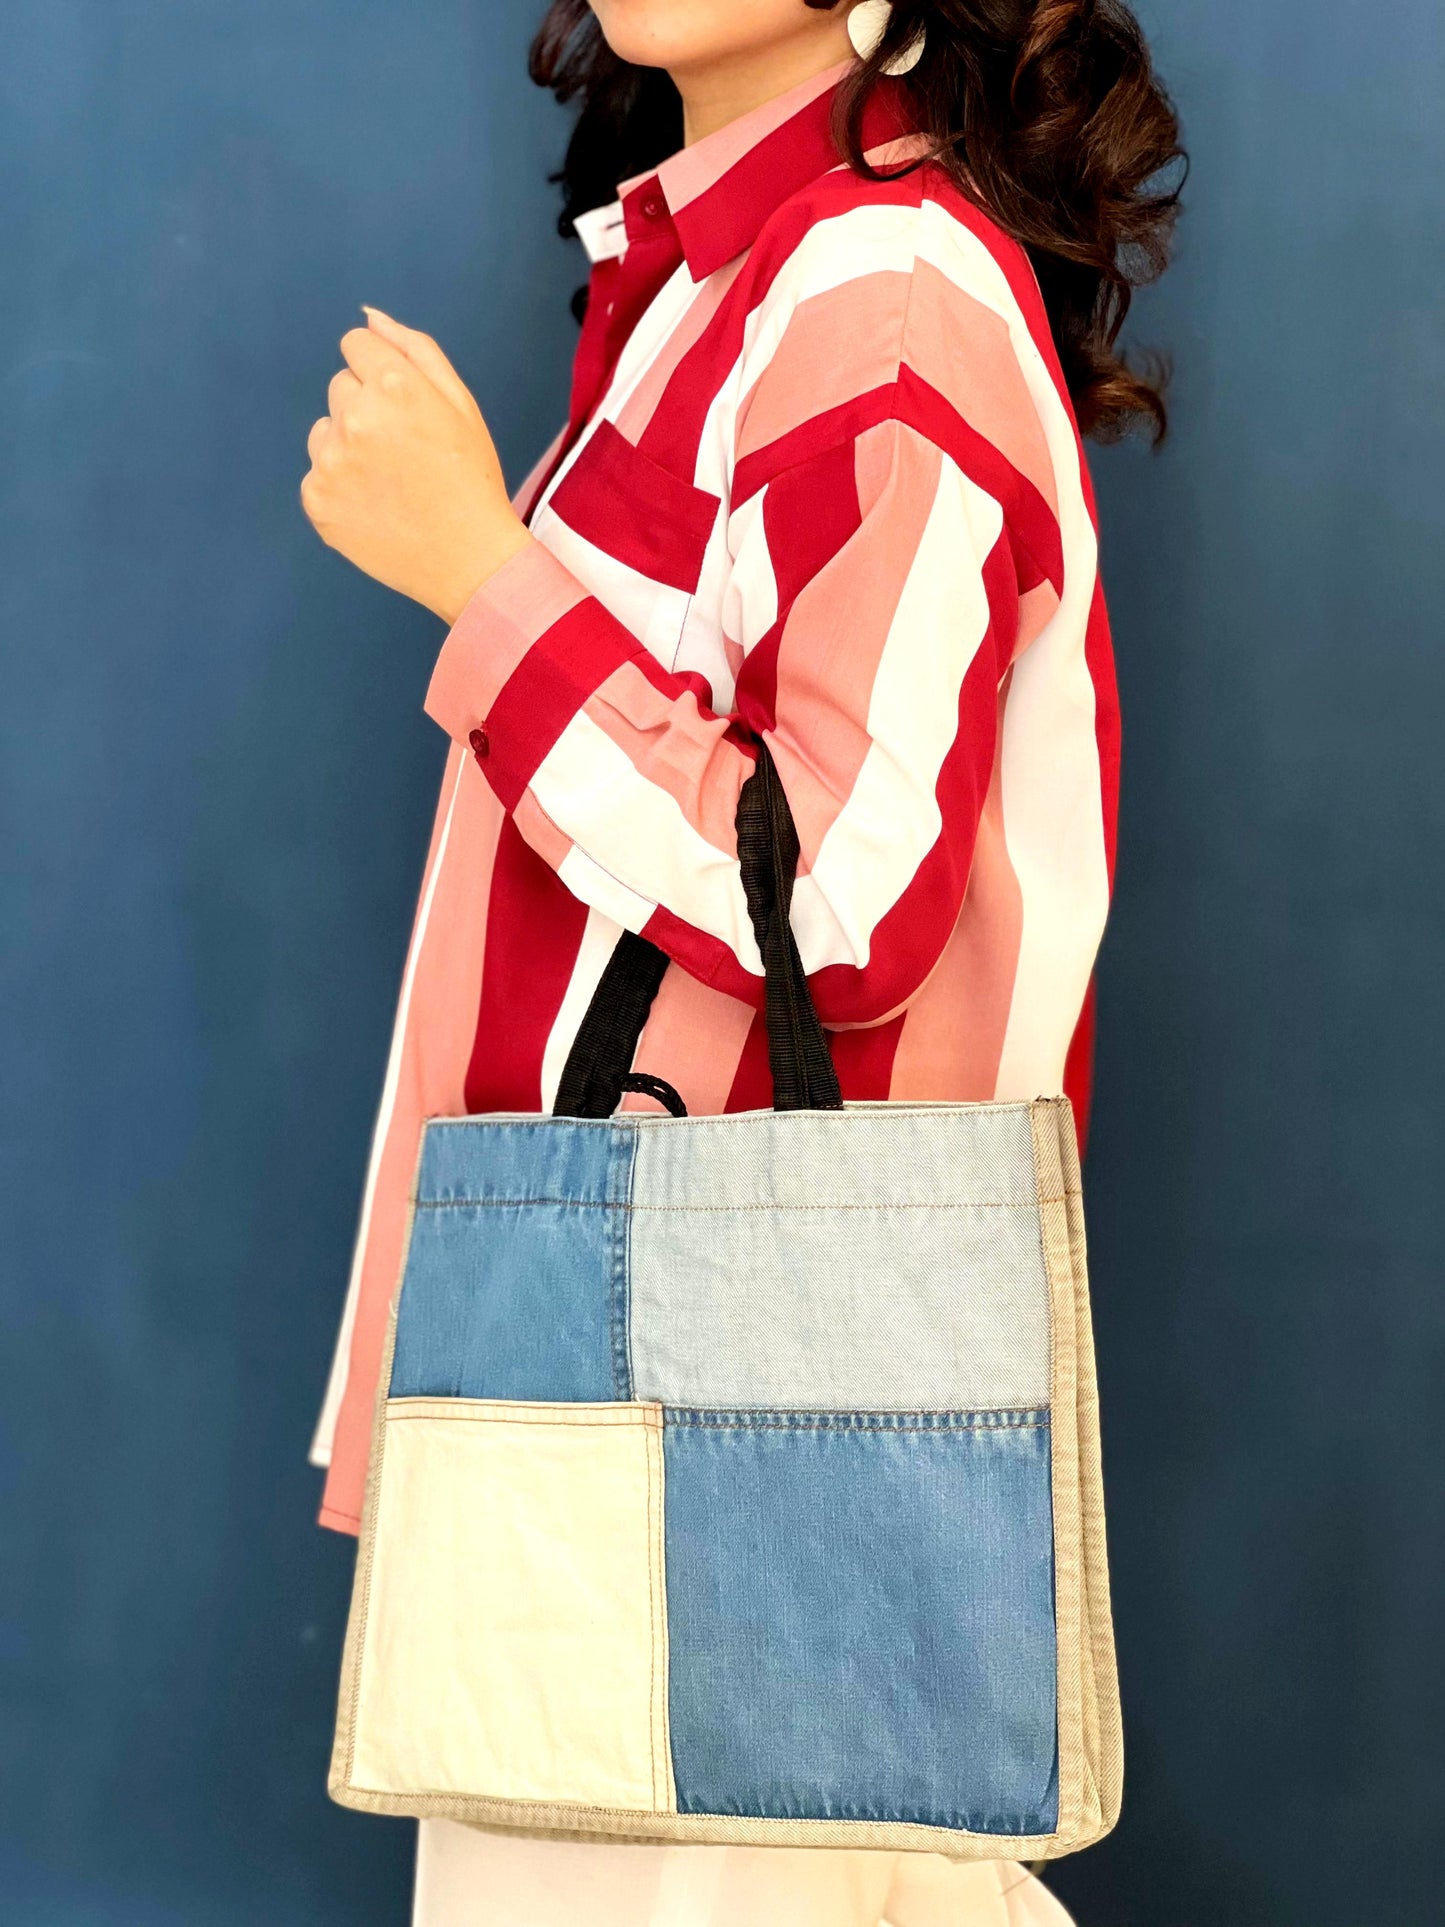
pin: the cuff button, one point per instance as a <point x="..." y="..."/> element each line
<point x="481" y="744"/>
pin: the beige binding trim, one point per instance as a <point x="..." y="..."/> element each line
<point x="1090" y="1742"/>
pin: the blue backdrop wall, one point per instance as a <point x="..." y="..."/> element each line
<point x="215" y="787"/>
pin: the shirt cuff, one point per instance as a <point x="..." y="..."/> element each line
<point x="519" y="662"/>
<point x="511" y="610"/>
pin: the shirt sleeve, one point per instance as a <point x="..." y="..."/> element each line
<point x="871" y="609"/>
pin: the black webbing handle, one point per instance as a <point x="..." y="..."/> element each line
<point x="602" y="1051"/>
<point x="599" y="1065"/>
<point x="798" y="1056"/>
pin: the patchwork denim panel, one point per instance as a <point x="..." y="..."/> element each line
<point x="875" y="1259"/>
<point x="860" y="1617"/>
<point x="516" y="1273"/>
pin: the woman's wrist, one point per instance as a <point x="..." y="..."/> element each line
<point x="491" y="555"/>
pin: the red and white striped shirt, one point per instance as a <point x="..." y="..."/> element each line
<point x="821" y="485"/>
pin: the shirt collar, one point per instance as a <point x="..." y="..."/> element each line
<point x="719" y="192"/>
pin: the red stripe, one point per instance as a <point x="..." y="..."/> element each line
<point x="723" y="220"/>
<point x="1031" y="521"/>
<point x="677" y="682"/>
<point x="812" y="438"/>
<point x="752" y="1085"/>
<point x="916" y="403"/>
<point x="1099" y="655"/>
<point x="863" y="1059"/>
<point x="805" y="526"/>
<point x="706" y="957"/>
<point x="628" y="506"/>
<point x="534" y="931"/>
<point x="544" y="692"/>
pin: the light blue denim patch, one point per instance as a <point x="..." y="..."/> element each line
<point x="875" y="1258"/>
<point x="516" y="1273"/>
<point x="860" y="1616"/>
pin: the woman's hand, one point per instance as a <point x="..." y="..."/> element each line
<point x="404" y="480"/>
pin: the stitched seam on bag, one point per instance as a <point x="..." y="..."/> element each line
<point x="746" y="1419"/>
<point x="619" y="1255"/>
<point x="606" y="1204"/>
<point x="359" y="1620"/>
<point x="1066" y="1628"/>
<point x="594" y="1413"/>
<point x="875" y="1108"/>
<point x="651" y="1625"/>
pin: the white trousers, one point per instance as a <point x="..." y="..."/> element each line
<point x="469" y="1878"/>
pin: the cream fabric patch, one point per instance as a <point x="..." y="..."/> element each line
<point x="516" y="1624"/>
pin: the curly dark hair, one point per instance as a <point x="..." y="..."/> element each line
<point x="1046" y="112"/>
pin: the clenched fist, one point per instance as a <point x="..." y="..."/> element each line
<point x="404" y="480"/>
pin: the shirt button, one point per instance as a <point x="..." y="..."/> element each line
<point x="481" y="744"/>
<point x="653" y="207"/>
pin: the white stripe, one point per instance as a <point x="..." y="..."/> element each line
<point x="891" y="820"/>
<point x="638" y="837"/>
<point x="591" y="884"/>
<point x="651" y="611"/>
<point x="599" y="940"/>
<point x="750" y="597"/>
<point x="869" y="239"/>
<point x="325" y="1434"/>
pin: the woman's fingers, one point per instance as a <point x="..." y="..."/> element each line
<point x="424" y="354"/>
<point x="314" y="441"/>
<point x="344" y="388"/>
<point x="370" y="358"/>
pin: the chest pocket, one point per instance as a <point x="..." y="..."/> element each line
<point x="634" y="510"/>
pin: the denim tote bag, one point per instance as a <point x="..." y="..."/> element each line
<point x="736" y="1479"/>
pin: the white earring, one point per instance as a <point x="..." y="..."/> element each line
<point x="867" y="24"/>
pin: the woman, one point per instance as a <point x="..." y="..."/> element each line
<point x="821" y="485"/>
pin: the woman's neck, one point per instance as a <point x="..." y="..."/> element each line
<point x="725" y="90"/>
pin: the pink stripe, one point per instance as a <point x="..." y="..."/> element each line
<point x="954" y="1029"/>
<point x="1014" y="265"/>
<point x="834" y="427"/>
<point x="1037" y="608"/>
<point x="692" y="171"/>
<point x="963" y="350"/>
<point x="837" y="346"/>
<point x="434" y="1061"/>
<point x="671" y="743"/>
<point x="694" y="1038"/>
<point x="554" y="846"/>
<point x="837" y="629"/>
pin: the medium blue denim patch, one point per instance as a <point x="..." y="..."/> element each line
<point x="860" y="1616"/>
<point x="516" y="1272"/>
